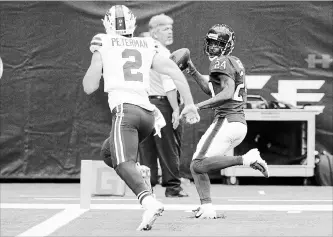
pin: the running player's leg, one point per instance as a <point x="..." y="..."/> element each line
<point x="124" y="141"/>
<point x="153" y="208"/>
<point x="124" y="149"/>
<point x="227" y="136"/>
<point x="220" y="137"/>
<point x="209" y="156"/>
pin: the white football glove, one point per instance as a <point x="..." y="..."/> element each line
<point x="159" y="122"/>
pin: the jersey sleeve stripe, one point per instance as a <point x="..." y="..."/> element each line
<point x="97" y="38"/>
<point x="96" y="43"/>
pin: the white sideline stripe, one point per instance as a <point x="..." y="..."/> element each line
<point x="54" y="196"/>
<point x="37" y="206"/>
<point x="37" y="196"/>
<point x="278" y="200"/>
<point x="231" y="200"/>
<point x="93" y="199"/>
<point x="171" y="207"/>
<point x="55" y="222"/>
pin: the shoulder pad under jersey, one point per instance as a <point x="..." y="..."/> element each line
<point x="221" y="65"/>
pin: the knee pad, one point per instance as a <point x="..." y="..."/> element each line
<point x="195" y="166"/>
<point x="192" y="166"/>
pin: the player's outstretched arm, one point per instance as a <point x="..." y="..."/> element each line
<point x="93" y="75"/>
<point x="228" y="89"/>
<point x="166" y="66"/>
<point x="200" y="79"/>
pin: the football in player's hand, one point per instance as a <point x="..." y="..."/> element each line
<point x="181" y="57"/>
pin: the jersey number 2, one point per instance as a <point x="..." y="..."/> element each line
<point x="237" y="95"/>
<point x="130" y="65"/>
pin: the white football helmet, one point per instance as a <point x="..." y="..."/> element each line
<point x="120" y="20"/>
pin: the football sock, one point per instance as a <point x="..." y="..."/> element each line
<point x="200" y="168"/>
<point x="147" y="200"/>
<point x="133" y="178"/>
<point x="214" y="163"/>
<point x="202" y="184"/>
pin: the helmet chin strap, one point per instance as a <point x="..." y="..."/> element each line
<point x="211" y="58"/>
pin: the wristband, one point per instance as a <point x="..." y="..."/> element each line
<point x="190" y="68"/>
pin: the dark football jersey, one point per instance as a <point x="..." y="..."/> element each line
<point x="232" y="109"/>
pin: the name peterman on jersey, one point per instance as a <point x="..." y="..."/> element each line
<point x="121" y="42"/>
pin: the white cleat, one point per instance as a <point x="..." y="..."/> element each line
<point x="205" y="211"/>
<point x="253" y="159"/>
<point x="150" y="215"/>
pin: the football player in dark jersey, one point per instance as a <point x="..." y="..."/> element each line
<point x="227" y="88"/>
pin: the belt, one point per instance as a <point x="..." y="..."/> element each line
<point x="159" y="97"/>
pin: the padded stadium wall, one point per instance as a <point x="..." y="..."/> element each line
<point x="48" y="124"/>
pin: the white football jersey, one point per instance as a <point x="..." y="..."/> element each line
<point x="126" y="67"/>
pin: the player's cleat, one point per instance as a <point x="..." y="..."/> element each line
<point x="253" y="159"/>
<point x="205" y="211"/>
<point x="150" y="215"/>
<point x="261" y="166"/>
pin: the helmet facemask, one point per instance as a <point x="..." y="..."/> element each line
<point x="213" y="48"/>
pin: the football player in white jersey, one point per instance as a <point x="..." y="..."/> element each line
<point x="125" y="62"/>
